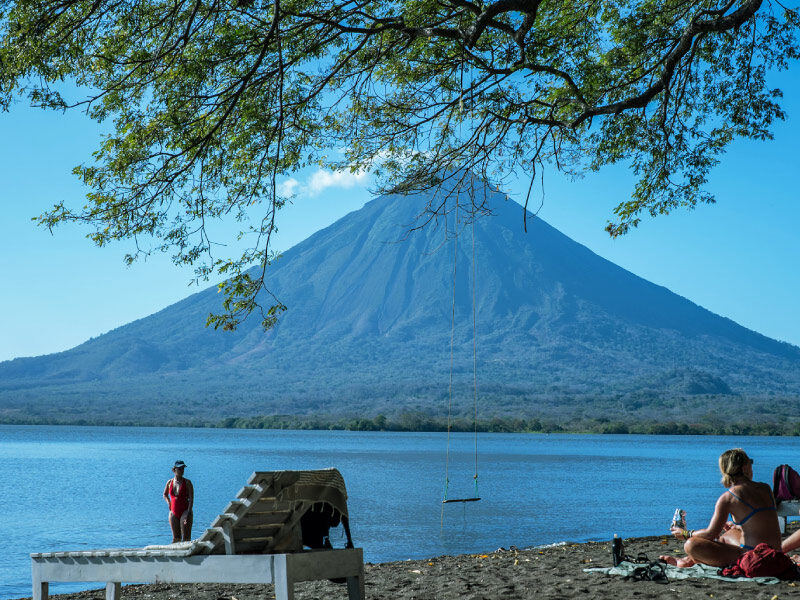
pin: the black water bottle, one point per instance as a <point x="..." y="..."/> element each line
<point x="617" y="550"/>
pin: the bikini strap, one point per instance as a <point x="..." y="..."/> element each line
<point x="740" y="500"/>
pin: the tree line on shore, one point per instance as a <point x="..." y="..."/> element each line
<point x="420" y="422"/>
<point x="416" y="422"/>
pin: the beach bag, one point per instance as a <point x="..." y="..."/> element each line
<point x="762" y="561"/>
<point x="785" y="483"/>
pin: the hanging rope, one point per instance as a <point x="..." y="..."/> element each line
<point x="475" y="497"/>
<point x="452" y="355"/>
<point x="474" y="307"/>
<point x="474" y="352"/>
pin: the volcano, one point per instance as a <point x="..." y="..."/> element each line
<point x="379" y="309"/>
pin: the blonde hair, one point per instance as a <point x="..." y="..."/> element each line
<point x="731" y="465"/>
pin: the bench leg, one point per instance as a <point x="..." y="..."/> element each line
<point x="41" y="590"/>
<point x="113" y="590"/>
<point x="355" y="587"/>
<point x="284" y="587"/>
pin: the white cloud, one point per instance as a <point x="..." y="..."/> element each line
<point x="289" y="187"/>
<point x="322" y="180"/>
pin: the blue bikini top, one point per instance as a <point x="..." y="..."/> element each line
<point x="752" y="512"/>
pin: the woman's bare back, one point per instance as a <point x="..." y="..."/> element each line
<point x="752" y="508"/>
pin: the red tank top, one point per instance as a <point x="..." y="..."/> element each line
<point x="178" y="503"/>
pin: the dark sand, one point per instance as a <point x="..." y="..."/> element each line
<point x="553" y="573"/>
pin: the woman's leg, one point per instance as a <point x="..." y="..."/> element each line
<point x="175" y="525"/>
<point x="791" y="542"/>
<point x="733" y="535"/>
<point x="684" y="561"/>
<point x="186" y="528"/>
<point x="710" y="552"/>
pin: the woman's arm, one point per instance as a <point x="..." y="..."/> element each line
<point x="189" y="497"/>
<point x="166" y="492"/>
<point x="715" y="526"/>
<point x="718" y="520"/>
<point x="792" y="542"/>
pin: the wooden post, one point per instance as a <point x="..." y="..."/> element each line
<point x="284" y="586"/>
<point x="355" y="587"/>
<point x="41" y="589"/>
<point x="113" y="590"/>
<point x="227" y="535"/>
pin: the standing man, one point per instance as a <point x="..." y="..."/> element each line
<point x="179" y="495"/>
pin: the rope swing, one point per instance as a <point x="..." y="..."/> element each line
<point x="476" y="496"/>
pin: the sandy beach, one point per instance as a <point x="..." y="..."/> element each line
<point x="554" y="572"/>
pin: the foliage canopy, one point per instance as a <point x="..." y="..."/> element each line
<point x="212" y="101"/>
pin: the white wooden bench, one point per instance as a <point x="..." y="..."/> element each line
<point x="786" y="509"/>
<point x="283" y="570"/>
<point x="259" y="538"/>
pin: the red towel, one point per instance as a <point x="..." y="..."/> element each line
<point x="762" y="561"/>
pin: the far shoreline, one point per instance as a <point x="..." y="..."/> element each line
<point x="426" y="424"/>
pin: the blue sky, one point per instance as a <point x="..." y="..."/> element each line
<point x="737" y="258"/>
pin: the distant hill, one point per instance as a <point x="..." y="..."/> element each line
<point x="562" y="334"/>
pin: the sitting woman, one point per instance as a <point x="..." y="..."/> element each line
<point x="753" y="520"/>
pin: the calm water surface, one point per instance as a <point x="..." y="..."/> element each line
<point x="72" y="488"/>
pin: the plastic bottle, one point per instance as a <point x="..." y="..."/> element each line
<point x="679" y="519"/>
<point x="617" y="550"/>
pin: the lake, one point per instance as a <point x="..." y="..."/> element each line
<point x="72" y="488"/>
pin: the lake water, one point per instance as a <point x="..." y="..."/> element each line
<point x="72" y="488"/>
